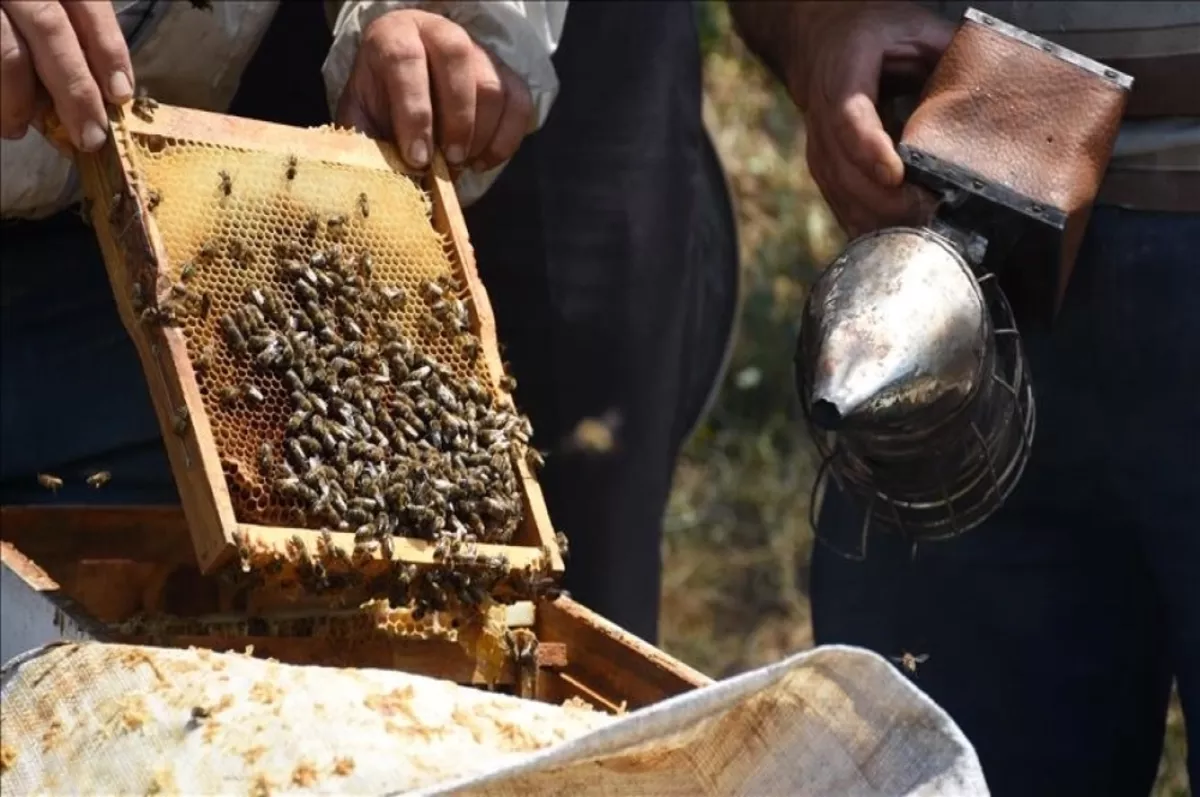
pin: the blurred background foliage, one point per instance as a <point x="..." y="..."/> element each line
<point x="738" y="540"/>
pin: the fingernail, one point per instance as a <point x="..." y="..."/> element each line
<point x="455" y="154"/>
<point x="92" y="137"/>
<point x="418" y="153"/>
<point x="119" y="87"/>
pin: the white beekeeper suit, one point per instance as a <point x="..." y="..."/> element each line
<point x="184" y="55"/>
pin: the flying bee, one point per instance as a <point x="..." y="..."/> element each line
<point x="909" y="662"/>
<point x="85" y="210"/>
<point x="253" y="396"/>
<point x="99" y="479"/>
<point x="153" y="198"/>
<point x="534" y="459"/>
<point x="180" y="420"/>
<point x="364" y="206"/>
<point x="50" y="481"/>
<point x="292" y="163"/>
<point x="226" y="182"/>
<point x="137" y="298"/>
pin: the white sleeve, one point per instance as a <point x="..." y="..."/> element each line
<point x="523" y="34"/>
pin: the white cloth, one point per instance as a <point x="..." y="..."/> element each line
<point x="111" y="719"/>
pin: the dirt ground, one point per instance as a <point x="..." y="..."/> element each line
<point x="737" y="542"/>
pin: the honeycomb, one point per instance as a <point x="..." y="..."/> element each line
<point x="294" y="280"/>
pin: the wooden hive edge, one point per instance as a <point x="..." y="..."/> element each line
<point x="163" y="350"/>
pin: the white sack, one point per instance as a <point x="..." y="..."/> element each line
<point x="112" y="719"/>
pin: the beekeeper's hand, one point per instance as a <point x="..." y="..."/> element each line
<point x="418" y="75"/>
<point x="71" y="54"/>
<point x="834" y="75"/>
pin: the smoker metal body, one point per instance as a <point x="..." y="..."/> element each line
<point x="909" y="366"/>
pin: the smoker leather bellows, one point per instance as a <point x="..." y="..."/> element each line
<point x="910" y="367"/>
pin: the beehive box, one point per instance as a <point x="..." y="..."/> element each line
<point x="127" y="574"/>
<point x="353" y="294"/>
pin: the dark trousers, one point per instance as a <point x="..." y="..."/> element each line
<point x="1053" y="630"/>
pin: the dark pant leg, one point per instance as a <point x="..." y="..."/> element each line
<point x="1155" y="378"/>
<point x="73" y="397"/>
<point x="1049" y="628"/>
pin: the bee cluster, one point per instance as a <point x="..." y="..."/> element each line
<point x="382" y="439"/>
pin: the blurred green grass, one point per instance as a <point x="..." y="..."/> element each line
<point x="737" y="541"/>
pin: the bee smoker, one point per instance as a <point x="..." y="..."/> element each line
<point x="910" y="368"/>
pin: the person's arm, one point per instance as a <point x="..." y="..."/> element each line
<point x="476" y="99"/>
<point x="831" y="56"/>
<point x="774" y="31"/>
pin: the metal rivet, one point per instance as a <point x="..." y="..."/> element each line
<point x="1035" y="208"/>
<point x="1110" y="74"/>
<point x="989" y="21"/>
<point x="1048" y="47"/>
<point x="977" y="184"/>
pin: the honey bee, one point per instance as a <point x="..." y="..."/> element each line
<point x="364" y="206"/>
<point x="99" y="479"/>
<point x="180" y="420"/>
<point x="187" y="271"/>
<point x="312" y="226"/>
<point x="564" y="549"/>
<point x="534" y="459"/>
<point x="205" y="305"/>
<point x="292" y="163"/>
<point x="252" y="395"/>
<point x="335" y="227"/>
<point x="208" y="251"/>
<point x="508" y="383"/>
<point x="909" y="662"/>
<point x="143" y="106"/>
<point x="240" y="253"/>
<point x="85" y="210"/>
<point x="203" y="361"/>
<point x="50" y="481"/>
<point x="229" y="395"/>
<point x="226" y="182"/>
<point x="266" y="462"/>
<point x="233" y="335"/>
<point x="153" y="198"/>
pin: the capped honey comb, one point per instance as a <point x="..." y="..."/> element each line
<point x="195" y="213"/>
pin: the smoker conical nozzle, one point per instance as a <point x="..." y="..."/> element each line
<point x="894" y="327"/>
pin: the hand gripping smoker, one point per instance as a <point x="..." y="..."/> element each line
<point x="909" y="366"/>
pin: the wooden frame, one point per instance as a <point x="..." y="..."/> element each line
<point x="132" y="244"/>
<point x="127" y="573"/>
